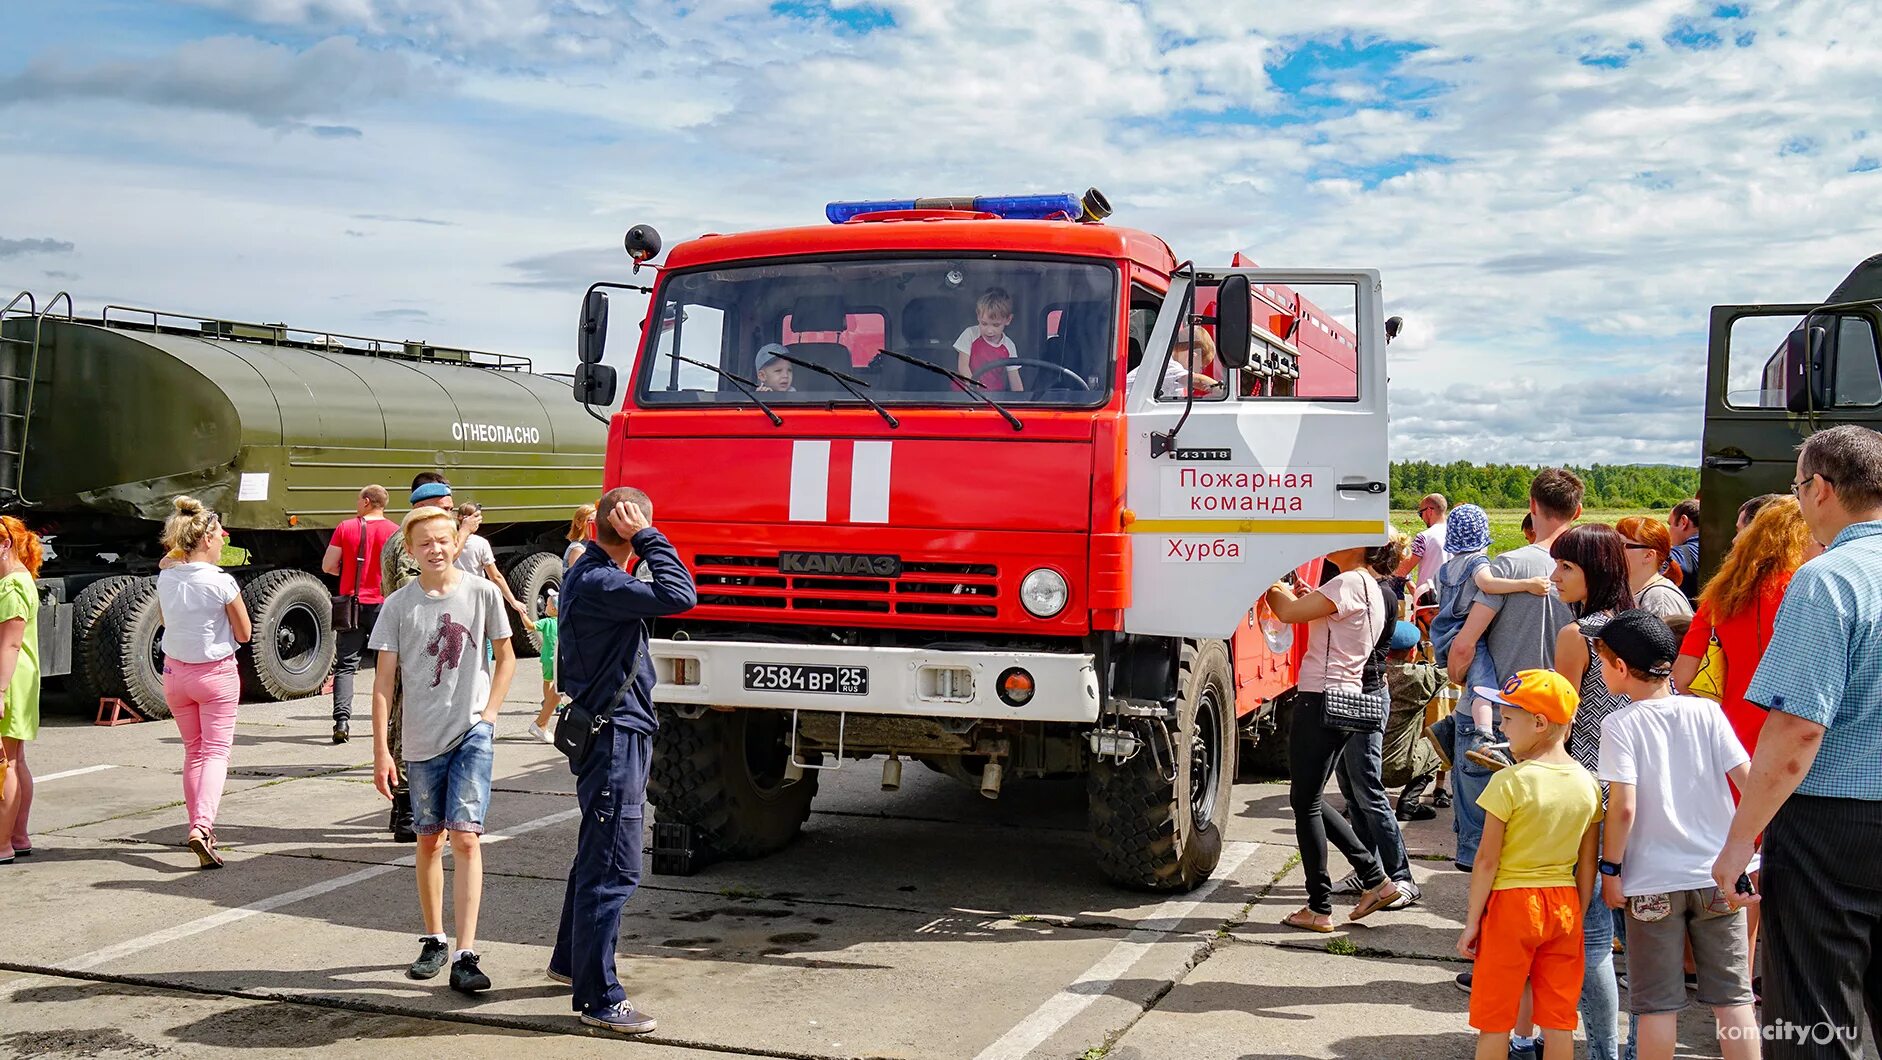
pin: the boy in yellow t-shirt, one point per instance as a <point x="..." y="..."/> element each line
<point x="1534" y="871"/>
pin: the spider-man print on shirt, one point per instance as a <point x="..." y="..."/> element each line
<point x="448" y="644"/>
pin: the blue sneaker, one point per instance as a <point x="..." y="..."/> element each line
<point x="622" y="1018"/>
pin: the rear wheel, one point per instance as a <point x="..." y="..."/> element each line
<point x="723" y="774"/>
<point x="94" y="666"/>
<point x="1157" y="819"/>
<point x="130" y="640"/>
<point x="531" y="578"/>
<point x="291" y="651"/>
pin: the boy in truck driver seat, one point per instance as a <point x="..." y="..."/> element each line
<point x="985" y="344"/>
<point x="1534" y="871"/>
<point x="772" y="370"/>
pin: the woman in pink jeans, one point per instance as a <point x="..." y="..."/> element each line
<point x="204" y="618"/>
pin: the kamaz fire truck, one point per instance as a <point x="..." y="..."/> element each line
<point x="910" y="553"/>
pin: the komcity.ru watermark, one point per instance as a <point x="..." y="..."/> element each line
<point x="1801" y="1033"/>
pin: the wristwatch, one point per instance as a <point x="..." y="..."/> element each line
<point x="1610" y="868"/>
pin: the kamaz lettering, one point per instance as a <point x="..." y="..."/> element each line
<point x="839" y="563"/>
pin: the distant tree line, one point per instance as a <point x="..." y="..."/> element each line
<point x="1643" y="486"/>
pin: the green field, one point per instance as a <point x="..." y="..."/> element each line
<point x="1506" y="524"/>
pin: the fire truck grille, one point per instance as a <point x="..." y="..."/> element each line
<point x="968" y="590"/>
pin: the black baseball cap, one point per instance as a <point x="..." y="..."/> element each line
<point x="1642" y="641"/>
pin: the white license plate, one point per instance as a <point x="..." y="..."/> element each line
<point x="792" y="677"/>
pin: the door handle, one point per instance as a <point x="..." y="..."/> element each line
<point x="1364" y="487"/>
<point x="1727" y="463"/>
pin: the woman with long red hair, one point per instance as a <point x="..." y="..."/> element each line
<point x="20" y="554"/>
<point x="1739" y="607"/>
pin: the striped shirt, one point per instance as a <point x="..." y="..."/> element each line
<point x="1824" y="663"/>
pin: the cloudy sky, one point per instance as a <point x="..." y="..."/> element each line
<point x="1556" y="191"/>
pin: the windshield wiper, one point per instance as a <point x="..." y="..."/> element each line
<point x="849" y="382"/>
<point x="973" y="386"/>
<point x="746" y="386"/>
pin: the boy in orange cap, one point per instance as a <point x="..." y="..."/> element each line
<point x="1534" y="872"/>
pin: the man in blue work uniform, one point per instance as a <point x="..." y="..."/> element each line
<point x="604" y="668"/>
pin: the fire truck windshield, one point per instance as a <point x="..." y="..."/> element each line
<point x="1029" y="331"/>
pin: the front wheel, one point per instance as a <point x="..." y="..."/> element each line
<point x="291" y="651"/>
<point x="1157" y="819"/>
<point x="723" y="774"/>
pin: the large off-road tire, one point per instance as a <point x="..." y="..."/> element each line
<point x="1160" y="833"/>
<point x="531" y="577"/>
<point x="723" y="773"/>
<point x="130" y="639"/>
<point x="291" y="652"/>
<point x="93" y="665"/>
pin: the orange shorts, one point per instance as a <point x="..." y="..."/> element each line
<point x="1532" y="936"/>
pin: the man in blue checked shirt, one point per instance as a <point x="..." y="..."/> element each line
<point x="1816" y="781"/>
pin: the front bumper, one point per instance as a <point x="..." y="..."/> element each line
<point x="908" y="681"/>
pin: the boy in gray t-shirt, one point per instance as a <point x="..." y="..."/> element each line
<point x="432" y="635"/>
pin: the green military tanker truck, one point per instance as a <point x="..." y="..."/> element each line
<point x="1778" y="374"/>
<point x="103" y="421"/>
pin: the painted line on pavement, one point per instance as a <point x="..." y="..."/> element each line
<point x="121" y="950"/>
<point x="72" y="773"/>
<point x="1096" y="981"/>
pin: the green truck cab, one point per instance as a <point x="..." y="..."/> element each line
<point x="1777" y="374"/>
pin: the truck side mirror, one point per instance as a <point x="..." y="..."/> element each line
<point x="1809" y="368"/>
<point x="592" y="340"/>
<point x="1232" y="324"/>
<point x="595" y="384"/>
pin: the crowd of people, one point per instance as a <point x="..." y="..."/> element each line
<point x="423" y="604"/>
<point x="1635" y="762"/>
<point x="1688" y="774"/>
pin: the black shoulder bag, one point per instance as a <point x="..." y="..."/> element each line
<point x="1354" y="710"/>
<point x="346" y="605"/>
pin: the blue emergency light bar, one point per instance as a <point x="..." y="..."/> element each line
<point x="1091" y="207"/>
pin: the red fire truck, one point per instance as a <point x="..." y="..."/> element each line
<point x="906" y="552"/>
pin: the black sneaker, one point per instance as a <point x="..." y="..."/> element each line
<point x="1463" y="981"/>
<point x="1415" y="811"/>
<point x="466" y="977"/>
<point x="1442" y="800"/>
<point x="622" y="1019"/>
<point x="431" y="960"/>
<point x="1350" y="884"/>
<point x="340" y="732"/>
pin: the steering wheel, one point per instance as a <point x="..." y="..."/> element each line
<point x="1034" y="362"/>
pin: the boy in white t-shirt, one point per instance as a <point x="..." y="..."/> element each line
<point x="985" y="345"/>
<point x="1666" y="760"/>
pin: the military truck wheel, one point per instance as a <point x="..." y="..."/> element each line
<point x="92" y="667"/>
<point x="723" y="773"/>
<point x="291" y="652"/>
<point x="130" y="636"/>
<point x="1159" y="833"/>
<point x="531" y="578"/>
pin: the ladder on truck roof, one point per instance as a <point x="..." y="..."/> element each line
<point x="19" y="378"/>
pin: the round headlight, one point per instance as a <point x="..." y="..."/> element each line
<point x="1043" y="593"/>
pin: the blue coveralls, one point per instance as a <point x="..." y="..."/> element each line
<point x="603" y="666"/>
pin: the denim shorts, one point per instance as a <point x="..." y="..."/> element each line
<point x="452" y="791"/>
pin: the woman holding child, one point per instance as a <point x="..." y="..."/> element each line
<point x="1345" y="618"/>
<point x="1591" y="576"/>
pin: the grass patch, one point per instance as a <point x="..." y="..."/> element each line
<point x="747" y="893"/>
<point x="1506" y="524"/>
<point x="1342" y="947"/>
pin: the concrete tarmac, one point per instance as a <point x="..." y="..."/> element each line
<point x="925" y="923"/>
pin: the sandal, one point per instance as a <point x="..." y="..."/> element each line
<point x="203" y="845"/>
<point x="1303" y="919"/>
<point x="1374" y="900"/>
